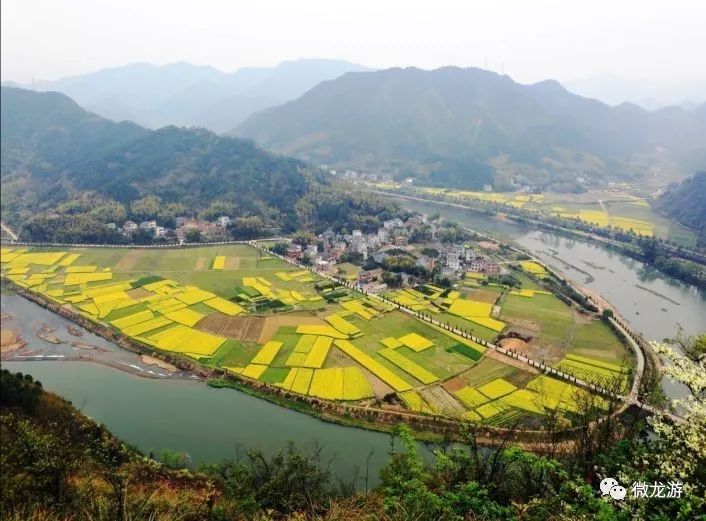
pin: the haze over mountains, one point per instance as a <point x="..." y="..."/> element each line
<point x="650" y="94"/>
<point x="470" y="127"/>
<point x="450" y="127"/>
<point x="190" y="95"/>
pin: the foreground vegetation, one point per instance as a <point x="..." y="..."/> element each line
<point x="57" y="464"/>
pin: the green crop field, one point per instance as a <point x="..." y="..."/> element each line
<point x="258" y="317"/>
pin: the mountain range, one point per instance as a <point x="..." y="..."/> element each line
<point x="189" y="95"/>
<point x="53" y="151"/>
<point x="67" y="172"/>
<point x="470" y="127"/>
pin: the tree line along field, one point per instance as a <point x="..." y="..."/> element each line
<point x="258" y="317"/>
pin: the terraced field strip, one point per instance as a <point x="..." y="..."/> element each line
<point x="316" y="357"/>
<point x="375" y="367"/>
<point x="416" y="403"/>
<point x="407" y="365"/>
<point x="267" y="353"/>
<point x="342" y="325"/>
<point x="416" y="342"/>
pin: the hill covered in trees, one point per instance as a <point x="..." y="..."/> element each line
<point x="470" y="127"/>
<point x="64" y="168"/>
<point x="685" y="202"/>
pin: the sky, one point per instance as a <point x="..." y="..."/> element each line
<point x="661" y="41"/>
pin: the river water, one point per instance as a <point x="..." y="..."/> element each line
<point x="654" y="304"/>
<point x="213" y="424"/>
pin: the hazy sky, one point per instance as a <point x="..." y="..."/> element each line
<point x="537" y="39"/>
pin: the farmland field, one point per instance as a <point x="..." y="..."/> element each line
<point x="258" y="317"/>
<point x="623" y="209"/>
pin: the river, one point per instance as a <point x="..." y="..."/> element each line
<point x="654" y="304"/>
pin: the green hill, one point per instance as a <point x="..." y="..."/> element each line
<point x="66" y="172"/>
<point x="466" y="127"/>
<point x="686" y="202"/>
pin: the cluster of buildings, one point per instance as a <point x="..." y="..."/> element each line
<point x="453" y="261"/>
<point x="208" y="229"/>
<point x="458" y="259"/>
<point x="393" y="233"/>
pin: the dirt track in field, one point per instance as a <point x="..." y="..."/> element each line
<point x="454" y="384"/>
<point x="482" y="295"/>
<point x="246" y="329"/>
<point x="200" y="264"/>
<point x="232" y="263"/>
<point x="290" y="319"/>
<point x="129" y="260"/>
<point x="138" y="293"/>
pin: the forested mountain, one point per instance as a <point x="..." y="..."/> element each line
<point x="467" y="127"/>
<point x="686" y="202"/>
<point x="189" y="95"/>
<point x="66" y="169"/>
<point x="44" y="133"/>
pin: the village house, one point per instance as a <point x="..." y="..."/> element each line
<point x="159" y="231"/>
<point x="294" y="251"/>
<point x="490" y="267"/>
<point x="457" y="251"/>
<point x="180" y="221"/>
<point x="447" y="271"/>
<point x="454" y="263"/>
<point x="312" y="250"/>
<point x="393" y="223"/>
<point x="365" y="277"/>
<point x="374" y="287"/>
<point x="129" y="226"/>
<point x="223" y="221"/>
<point x="148" y="225"/>
<point x="383" y="235"/>
<point x="476" y="265"/>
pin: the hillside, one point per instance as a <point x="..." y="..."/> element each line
<point x="467" y="127"/>
<point x="189" y="95"/>
<point x="44" y="133"/>
<point x="685" y="202"/>
<point x="66" y="172"/>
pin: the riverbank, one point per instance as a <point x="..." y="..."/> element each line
<point x="622" y="243"/>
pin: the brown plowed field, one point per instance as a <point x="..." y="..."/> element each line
<point x="247" y="329"/>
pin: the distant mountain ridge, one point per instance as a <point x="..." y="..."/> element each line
<point x="470" y="127"/>
<point x="191" y="95"/>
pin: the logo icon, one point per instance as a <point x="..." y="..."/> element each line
<point x="610" y="486"/>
